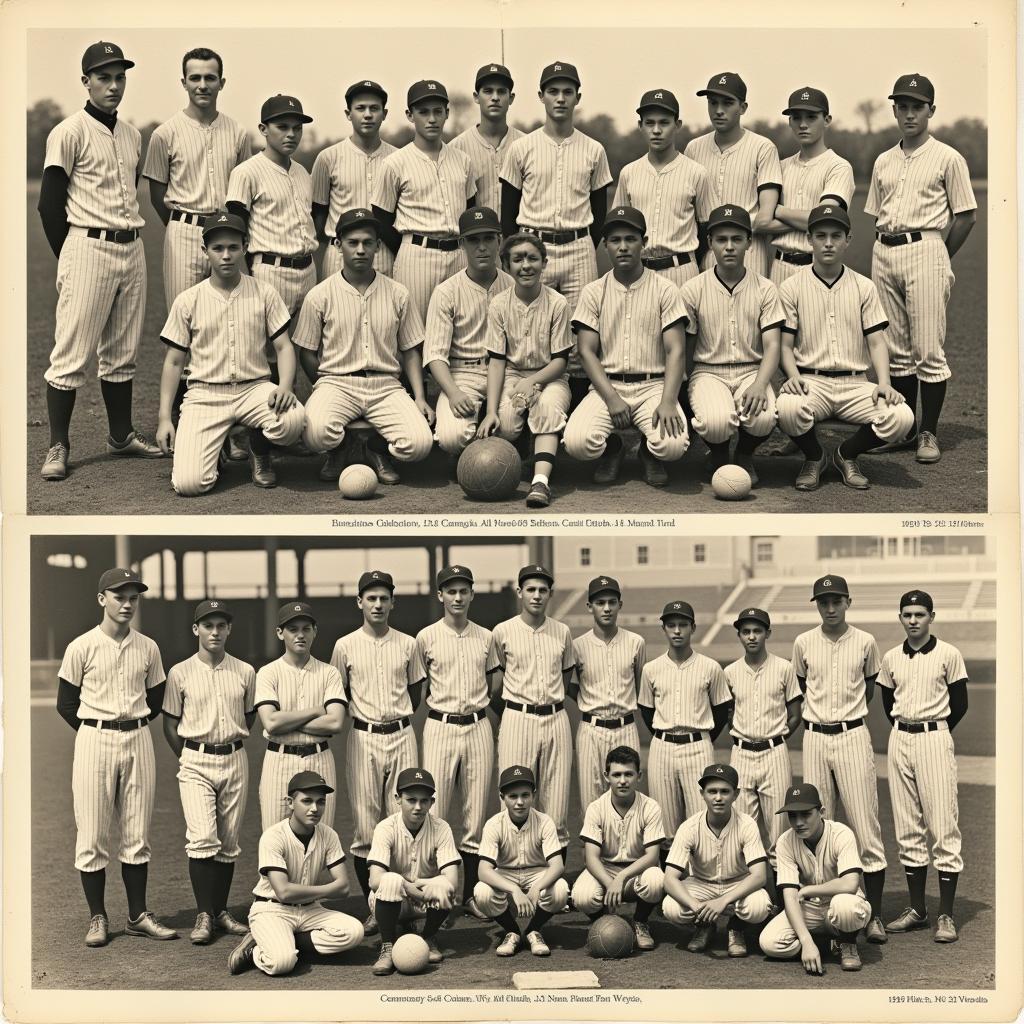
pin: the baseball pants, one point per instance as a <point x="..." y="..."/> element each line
<point x="273" y="926"/>
<point x="672" y="773"/>
<point x="374" y="762"/>
<point x="569" y="268"/>
<point x="782" y="271"/>
<point x="914" y="283"/>
<point x="101" y="305"/>
<point x="278" y="770"/>
<point x="112" y="771"/>
<point x="588" y="893"/>
<point x="214" y="789"/>
<point x="422" y="270"/>
<point x="392" y="890"/>
<point x="542" y="743"/>
<point x="844" y="398"/>
<point x="680" y="275"/>
<point x="715" y="394"/>
<point x="383" y="262"/>
<point x="548" y="414"/>
<point x="461" y="756"/>
<point x="846" y="762"/>
<point x="208" y="413"/>
<point x="922" y="784"/>
<point x="765" y="775"/>
<point x="758" y="257"/>
<point x="752" y="908"/>
<point x="453" y="433"/>
<point x="184" y="262"/>
<point x="593" y="743"/>
<point x="586" y="433"/>
<point x="291" y="283"/>
<point x="337" y="400"/>
<point x="842" y="914"/>
<point x="494" y="902"/>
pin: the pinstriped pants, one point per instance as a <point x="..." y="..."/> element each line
<point x="546" y="415"/>
<point x="569" y="268"/>
<point x="588" y="893"/>
<point x="273" y="926"/>
<point x="421" y="270"/>
<point x="374" y="761"/>
<point x="214" y="790"/>
<point x="453" y="433"/>
<point x="845" y="912"/>
<point x="278" y="769"/>
<point x="291" y="283"/>
<point x="184" y="262"/>
<point x="765" y="775"/>
<point x="715" y="393"/>
<point x="494" y="902"/>
<point x="672" y="773"/>
<point x="680" y="275"/>
<point x="592" y="745"/>
<point x="752" y="908"/>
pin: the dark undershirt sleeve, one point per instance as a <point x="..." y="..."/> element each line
<point x="52" y="207"/>
<point x="957" y="702"/>
<point x="155" y="700"/>
<point x="68" y="699"/>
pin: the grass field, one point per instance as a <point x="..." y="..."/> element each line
<point x="899" y="484"/>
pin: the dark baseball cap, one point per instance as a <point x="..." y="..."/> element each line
<point x="295" y="610"/>
<point x="516" y="775"/>
<point x="807" y="98"/>
<point x="307" y="781"/>
<point x="753" y="615"/>
<point x="454" y="572"/>
<point x="477" y="220"/>
<point x="366" y="85"/>
<point x="829" y="585"/>
<point x="210" y="608"/>
<point x="917" y="597"/>
<point x="627" y="215"/>
<point x="530" y="571"/>
<point x="916" y="87"/>
<point x="733" y="214"/>
<point x="603" y="585"/>
<point x="560" y="69"/>
<point x="224" y="220"/>
<point x="660" y="99"/>
<point x="680" y="608"/>
<point x="493" y="71"/>
<point x="726" y="84"/>
<point x="723" y="772"/>
<point x="828" y="213"/>
<point x="804" y="797"/>
<point x="283" y="106"/>
<point x="376" y="578"/>
<point x="357" y="218"/>
<point x="102" y="53"/>
<point x="115" y="579"/>
<point x="425" y="90"/>
<point x="410" y="778"/>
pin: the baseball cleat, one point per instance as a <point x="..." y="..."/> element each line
<point x="945" y="929"/>
<point x="849" y="956"/>
<point x="655" y="473"/>
<point x="263" y="474"/>
<point x="381" y="465"/>
<point x="99" y="931"/>
<point x="875" y="932"/>
<point x="202" y="933"/>
<point x="149" y="927"/>
<point x="241" y="956"/>
<point x="370" y="925"/>
<point x="610" y="465"/>
<point x="539" y="496"/>
<point x="384" y="964"/>
<point x="747" y="462"/>
<point x="510" y="944"/>
<point x="55" y="465"/>
<point x="700" y="941"/>
<point x="434" y="954"/>
<point x="644" y="939"/>
<point x="226" y="923"/>
<point x="850" y="471"/>
<point x="895" y="446"/>
<point x="236" y="447"/>
<point x="538" y="947"/>
<point x="474" y="910"/>
<point x="135" y="445"/>
<point x="809" y="477"/>
<point x="928" y="450"/>
<point x="908" y="921"/>
<point x="333" y="464"/>
<point x="737" y="943"/>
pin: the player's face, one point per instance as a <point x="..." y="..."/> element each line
<point x="307" y="806"/>
<point x="829" y="243"/>
<point x="376" y="604"/>
<point x="832" y="609"/>
<point x="806" y="824"/>
<point x="202" y="82"/>
<point x="428" y="119"/>
<point x="494" y="98"/>
<point x="605" y="608"/>
<point x="358" y="247"/>
<point x="916" y="621"/>
<point x="659" y="128"/>
<point x="624" y="245"/>
<point x="912" y="116"/>
<point x="535" y="595"/>
<point x="120" y="605"/>
<point x="106" y="86"/>
<point x="525" y="264"/>
<point x="518" y="800"/>
<point x="283" y="134"/>
<point x="753" y="636"/>
<point x="415" y="803"/>
<point x="729" y="245"/>
<point x="559" y="98"/>
<point x="808" y="126"/>
<point x="481" y="249"/>
<point x="297" y="636"/>
<point x="678" y="631"/>
<point x="718" y="795"/>
<point x="622" y="778"/>
<point x="724" y="112"/>
<point x="367" y="114"/>
<point x="213" y="632"/>
<point x="226" y="251"/>
<point x="456" y="596"/>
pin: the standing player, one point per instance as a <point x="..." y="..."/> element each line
<point x="609" y="661"/>
<point x="89" y="207"/>
<point x="458" y="742"/>
<point x="836" y="665"/>
<point x="924" y="693"/>
<point x="208" y="712"/>
<point x="918" y="189"/>
<point x="669" y="189"/>
<point x="112" y="682"/>
<point x="743" y="168"/>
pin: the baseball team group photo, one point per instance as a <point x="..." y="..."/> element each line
<point x="523" y="283"/>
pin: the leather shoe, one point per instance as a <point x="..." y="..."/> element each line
<point x="226" y="923"/>
<point x="55" y="466"/>
<point x="236" y="446"/>
<point x="538" y="947"/>
<point x="747" y="462"/>
<point x="384" y="964"/>
<point x="809" y="477"/>
<point x="849" y="956"/>
<point x="241" y="956"/>
<point x="149" y="927"/>
<point x="928" y="450"/>
<point x="434" y="955"/>
<point x="908" y="921"/>
<point x="333" y="464"/>
<point x="700" y="941"/>
<point x="875" y="932"/>
<point x="202" y="933"/>
<point x="370" y="926"/>
<point x="135" y="445"/>
<point x="610" y="465"/>
<point x="381" y="465"/>
<point x="945" y="929"/>
<point x="539" y="496"/>
<point x="644" y="938"/>
<point x="850" y="471"/>
<point x="473" y="909"/>
<point x="655" y="473"/>
<point x="263" y="474"/>
<point x="99" y="931"/>
<point x="510" y="944"/>
<point x="737" y="943"/>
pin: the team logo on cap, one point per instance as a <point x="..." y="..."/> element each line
<point x="222" y="219"/>
<point x="749" y="611"/>
<point x="215" y="604"/>
<point x="419" y="775"/>
<point x="718" y="771"/>
<point x="805" y="95"/>
<point x="431" y="85"/>
<point x="913" y="82"/>
<point x="659" y="95"/>
<point x="478" y="215"/>
<point x="298" y="607"/>
<point x="108" y="49"/>
<point x="828" y="209"/>
<point x="722" y="80"/>
<point x="291" y="103"/>
<point x="494" y="67"/>
<point x="558" y="67"/>
<point x="127" y="573"/>
<point x="375" y="576"/>
<point x="455" y="568"/>
<point x="677" y="606"/>
<point x="367" y="83"/>
<point x="603" y="580"/>
<point x="796" y="791"/>
<point x="826" y="582"/>
<point x="517" y="772"/>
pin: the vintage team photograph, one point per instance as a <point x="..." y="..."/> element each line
<point x="401" y="764"/>
<point x="472" y="271"/>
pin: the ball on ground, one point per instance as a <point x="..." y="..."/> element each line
<point x="489" y="469"/>
<point x="410" y="954"/>
<point x="610" y="938"/>
<point x="357" y="483"/>
<point x="731" y="483"/>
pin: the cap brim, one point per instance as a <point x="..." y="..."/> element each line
<point x="339" y="231"/>
<point x="214" y="613"/>
<point x="677" y="615"/>
<point x="141" y="587"/>
<point x="720" y="92"/>
<point x="379" y="93"/>
<point x="844" y="224"/>
<point x="428" y="96"/>
<point x="561" y="76"/>
<point x="729" y="224"/>
<point x="536" y="576"/>
<point x="297" y="615"/>
<point x="750" y="618"/>
<point x="833" y="592"/>
<point x="804" y="106"/>
<point x="310" y="789"/>
<point x="496" y="76"/>
<point x="659" y="106"/>
<point x="234" y="228"/>
<point x="797" y="807"/>
<point x="483" y="229"/>
<point x="911" y="96"/>
<point x="103" y="64"/>
<point x="604" y="590"/>
<point x="304" y="118"/>
<point x="609" y="224"/>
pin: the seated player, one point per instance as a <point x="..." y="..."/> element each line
<point x="528" y="347"/>
<point x="622" y="836"/>
<point x="221" y="327"/>
<point x="286" y="918"/>
<point x="521" y="865"/>
<point x="726" y="867"/>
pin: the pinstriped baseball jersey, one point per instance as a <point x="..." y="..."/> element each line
<point x="288" y="688"/>
<point x="282" y="850"/>
<point x="831" y="320"/>
<point x="194" y="160"/>
<point x="112" y="676"/>
<point x="530" y="845"/>
<point x="739" y="173"/>
<point x="673" y="200"/>
<point x="729" y="322"/>
<point x="556" y="178"/>
<point x="486" y="163"/>
<point x="532" y="660"/>
<point x="623" y="838"/>
<point x="631" y="320"/>
<point x="529" y="335"/>
<point x="211" y="702"/>
<point x="344" y="176"/>
<point x="377" y="673"/>
<point x="835" y="854"/>
<point x="226" y="335"/>
<point x="682" y="694"/>
<point x="834" y="672"/>
<point x="920" y="191"/>
<point x="358" y="330"/>
<point x="722" y="858"/>
<point x="414" y="857"/>
<point x="761" y="695"/>
<point x="101" y="167"/>
<point x="280" y="205"/>
<point x="920" y="680"/>
<point x="456" y="666"/>
<point x="806" y="183"/>
<point x="609" y="672"/>
<point x="424" y="194"/>
<point x="457" y="317"/>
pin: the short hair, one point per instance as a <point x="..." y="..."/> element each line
<point x="202" y="53"/>
<point x="518" y="239"/>
<point x="622" y="755"/>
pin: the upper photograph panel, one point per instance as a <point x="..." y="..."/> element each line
<point x="483" y="271"/>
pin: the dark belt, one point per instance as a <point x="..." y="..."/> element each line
<point x="126" y="726"/>
<point x="832" y="373"/>
<point x="444" y="244"/>
<point x="190" y="218"/>
<point x="678" y="737"/>
<point x="448" y="719"/>
<point x="536" y="709"/>
<point x="298" y="749"/>
<point x="270" y="899"/>
<point x="800" y="259"/>
<point x="380" y="727"/>
<point x="608" y="723"/>
<point x="462" y="363"/>
<point x="275" y="259"/>
<point x="904" y="239"/>
<point x="214" y="748"/>
<point x="758" y="745"/>
<point x="833" y="728"/>
<point x="918" y="726"/>
<point x="675" y="259"/>
<point x="121" y="235"/>
<point x="634" y="378"/>
<point x="557" y="237"/>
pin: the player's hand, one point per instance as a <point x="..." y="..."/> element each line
<point x="416" y="891"/>
<point x="525" y="907"/>
<point x="888" y="395"/>
<point x="619" y="412"/>
<point x="668" y="417"/>
<point x="795" y="386"/>
<point x="810" y="957"/>
<point x="281" y="399"/>
<point x="165" y="434"/>
<point x="488" y="425"/>
<point x="754" y="401"/>
<point x="613" y="896"/>
<point x="438" y="893"/>
<point x="424" y="407"/>
<point x="709" y="911"/>
<point x="463" y="405"/>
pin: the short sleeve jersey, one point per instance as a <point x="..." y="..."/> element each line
<point x="529" y="335"/>
<point x="457" y="317"/>
<point x="835" y="854"/>
<point x="717" y="858"/>
<point x="623" y="838"/>
<point x="287" y="688"/>
<point x="424" y="194"/>
<point x="486" y="162"/>
<point x="738" y="174"/>
<point x="510" y="846"/>
<point x="834" y="671"/>
<point x="806" y="183"/>
<point x="211" y="701"/>
<point x="532" y="660"/>
<point x="609" y="672"/>
<point x="281" y="849"/>
<point x="414" y="857"/>
<point x="280" y="205"/>
<point x="344" y="176"/>
<point x="456" y="666"/>
<point x="682" y="695"/>
<point x="920" y="680"/>
<point x="760" y="696"/>
<point x="377" y="672"/>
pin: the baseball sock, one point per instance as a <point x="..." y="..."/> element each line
<point x="907" y="387"/>
<point x="179" y="397"/>
<point x="377" y="444"/>
<point x="643" y="910"/>
<point x="362" y="874"/>
<point x="134" y="877"/>
<point x="224" y="872"/>
<point x="470" y="874"/>
<point x="59" y="406"/>
<point x="809" y="445"/>
<point x="507" y="920"/>
<point x="386" y="912"/>
<point x="539" y="919"/>
<point x="848" y="937"/>
<point x="94" y="883"/>
<point x="600" y="913"/>
<point x="862" y="441"/>
<point x="947" y="891"/>
<point x="258" y="443"/>
<point x="203" y="878"/>
<point x="543" y="466"/>
<point x="735" y="924"/>
<point x="746" y="443"/>
<point x="719" y="452"/>
<point x="305" y="945"/>
<point x="916" y="879"/>
<point x="435" y="918"/>
<point x="874" y="882"/>
<point x="117" y="397"/>
<point x="932" y="397"/>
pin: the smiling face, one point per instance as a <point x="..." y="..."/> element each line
<point x="622" y="778"/>
<point x="719" y="796"/>
<point x="358" y="247"/>
<point x="916" y="621"/>
<point x="106" y="86"/>
<point x="456" y="596"/>
<point x="753" y="636"/>
<point x="226" y="253"/>
<point x="560" y="97"/>
<point x="808" y="126"/>
<point x="202" y="83"/>
<point x="376" y="604"/>
<point x="481" y="249"/>
<point x="119" y="606"/>
<point x="724" y="112"/>
<point x="912" y="116"/>
<point x="427" y="118"/>
<point x="832" y="609"/>
<point x="518" y="798"/>
<point x="525" y="263"/>
<point x="366" y="113"/>
<point x="213" y="632"/>
<point x="297" y="636"/>
<point x="659" y="128"/>
<point x="624" y="245"/>
<point x="283" y="134"/>
<point x="729" y="244"/>
<point x="494" y="97"/>
<point x="535" y="593"/>
<point x="829" y="243"/>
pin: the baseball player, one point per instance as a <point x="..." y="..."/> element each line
<point x="301" y="702"/>
<point x="836" y="665"/>
<point x="111" y="681"/>
<point x="726" y="867"/>
<point x="344" y="174"/>
<point x="286" y="919"/>
<point x="358" y="330"/>
<point x="528" y="347"/>
<point x="622" y="834"/>
<point x="455" y="347"/>
<point x="208" y="712"/>
<point x="743" y="168"/>
<point x="924" y="694"/>
<point x="609" y="661"/>
<point x="821" y="881"/>
<point x="919" y="188"/>
<point x="835" y="329"/>
<point x="521" y="866"/>
<point x="487" y="143"/>
<point x="532" y="659"/>
<point x="222" y="327"/>
<point x="422" y="191"/>
<point x="274" y="194"/>
<point x="89" y="207"/>
<point x="630" y="332"/>
<point x="737" y="318"/>
<point x="458" y="742"/>
<point x="414" y="866"/>
<point x="669" y="189"/>
<point x="684" y="702"/>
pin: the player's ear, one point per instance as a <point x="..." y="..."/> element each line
<point x="85" y="81"/>
<point x="408" y="116"/>
<point x="263" y="129"/>
<point x="511" y="98"/>
<point x="195" y="629"/>
<point x="827" y="120"/>
<point x="743" y="108"/>
<point x="280" y="633"/>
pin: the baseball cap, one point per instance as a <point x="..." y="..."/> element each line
<point x="493" y="71"/>
<point x="662" y="99"/>
<point x="625" y="215"/>
<point x="295" y="610"/>
<point x="376" y="578"/>
<point x="917" y="87"/>
<point x="102" y="53"/>
<point x="735" y="215"/>
<point x="829" y="585"/>
<point x="307" y="781"/>
<point x="753" y="615"/>
<point x="282" y="106"/>
<point x="115" y="579"/>
<point x="412" y="777"/>
<point x="726" y="84"/>
<point x="454" y="572"/>
<point x="828" y="213"/>
<point x="560" y="69"/>
<point x="477" y="220"/>
<point x="224" y="220"/>
<point x="801" y="798"/>
<point x="529" y="571"/>
<point x="356" y="218"/>
<point x="367" y="85"/>
<point x="603" y="585"/>
<point x="725" y="772"/>
<point x="807" y="98"/>
<point x="516" y="775"/>
<point x="205" y="608"/>
<point x="917" y="597"/>
<point x="425" y="90"/>
<point x="681" y="608"/>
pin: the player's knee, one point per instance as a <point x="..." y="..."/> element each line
<point x="319" y="436"/>
<point x="281" y="961"/>
<point x="489" y="900"/>
<point x="188" y="483"/>
<point x="650" y="886"/>
<point x="667" y="449"/>
<point x="715" y="425"/>
<point x="754" y="907"/>
<point x="416" y="445"/>
<point x="777" y="940"/>
<point x="290" y="426"/>
<point x="557" y="896"/>
<point x="761" y="424"/>
<point x="582" y="440"/>
<point x="587" y="894"/>
<point x="672" y="910"/>
<point x="848" y="912"/>
<point x="795" y="416"/>
<point x="454" y="433"/>
<point x="338" y="938"/>
<point x="391" y="888"/>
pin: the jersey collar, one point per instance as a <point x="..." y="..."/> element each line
<point x="105" y="119"/>
<point x="737" y="286"/>
<point x="842" y="274"/>
<point x="927" y="649"/>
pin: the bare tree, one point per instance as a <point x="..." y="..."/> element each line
<point x="868" y="109"/>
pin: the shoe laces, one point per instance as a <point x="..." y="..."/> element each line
<point x="55" y="452"/>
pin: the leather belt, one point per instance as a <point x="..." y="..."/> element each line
<point x="833" y="728"/>
<point x="536" y="709"/>
<point x="608" y="723"/>
<point x="832" y="373"/>
<point x="467" y="362"/>
<point x="190" y="218"/>
<point x="276" y="259"/>
<point x="450" y="719"/>
<point x="557" y="237"/>
<point x="380" y="727"/>
<point x="634" y="378"/>
<point x="426" y="242"/>
<point x="675" y="259"/>
<point x="678" y="737"/>
<point x="121" y="235"/>
<point x="298" y="749"/>
<point x="919" y="726"/>
<point x="799" y="259"/>
<point x="125" y="726"/>
<point x="270" y="899"/>
<point x="214" y="748"/>
<point x="758" y="745"/>
<point x="903" y="239"/>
